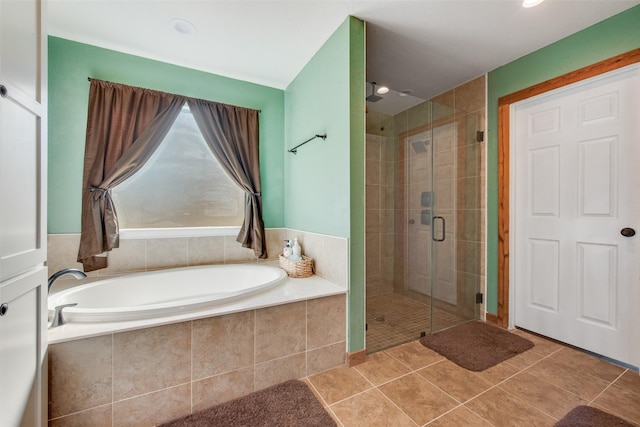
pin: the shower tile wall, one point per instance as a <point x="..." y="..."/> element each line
<point x="380" y="196"/>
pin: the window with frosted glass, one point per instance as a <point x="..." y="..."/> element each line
<point x="182" y="185"/>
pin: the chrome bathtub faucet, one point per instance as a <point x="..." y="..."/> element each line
<point x="58" y="320"/>
<point x="78" y="274"/>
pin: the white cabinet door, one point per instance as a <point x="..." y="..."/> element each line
<point x="576" y="177"/>
<point x="23" y="325"/>
<point x="23" y="233"/>
<point x="22" y="138"/>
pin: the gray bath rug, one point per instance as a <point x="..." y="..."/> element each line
<point x="586" y="416"/>
<point x="476" y="346"/>
<point x="290" y="404"/>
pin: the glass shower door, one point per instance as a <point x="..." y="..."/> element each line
<point x="455" y="248"/>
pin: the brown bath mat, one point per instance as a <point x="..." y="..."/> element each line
<point x="586" y="416"/>
<point x="476" y="346"/>
<point x="289" y="404"/>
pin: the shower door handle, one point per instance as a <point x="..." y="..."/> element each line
<point x="433" y="228"/>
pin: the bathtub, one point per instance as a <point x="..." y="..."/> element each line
<point x="164" y="293"/>
<point x="106" y="318"/>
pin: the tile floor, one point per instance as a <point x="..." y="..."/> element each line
<point x="394" y="319"/>
<point x="410" y="385"/>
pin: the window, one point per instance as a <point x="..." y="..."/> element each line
<point x="182" y="185"/>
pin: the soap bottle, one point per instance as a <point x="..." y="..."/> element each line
<point x="287" y="251"/>
<point x="297" y="250"/>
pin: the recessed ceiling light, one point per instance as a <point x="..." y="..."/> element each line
<point x="531" y="3"/>
<point x="382" y="90"/>
<point x="405" y="92"/>
<point x="183" y="26"/>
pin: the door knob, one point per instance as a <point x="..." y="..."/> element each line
<point x="3" y="309"/>
<point x="628" y="232"/>
<point x="3" y="91"/>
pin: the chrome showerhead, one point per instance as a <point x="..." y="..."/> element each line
<point x="373" y="97"/>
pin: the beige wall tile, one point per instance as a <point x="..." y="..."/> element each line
<point x="275" y="242"/>
<point x="151" y="359"/>
<point x="62" y="252"/>
<point x="326" y="321"/>
<point x="334" y="260"/>
<point x="79" y="375"/>
<point x="312" y="244"/>
<point x="325" y="358"/>
<point x="373" y="196"/>
<point x="280" y="370"/>
<point x="373" y="172"/>
<point x="129" y="257"/>
<point x="95" y="417"/>
<point x="234" y="252"/>
<point x="221" y="388"/>
<point x="153" y="408"/>
<point x="167" y="253"/>
<point x="222" y="344"/>
<point x="205" y="250"/>
<point x="470" y="96"/>
<point x="280" y="331"/>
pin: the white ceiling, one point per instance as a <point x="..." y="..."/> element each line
<point x="426" y="46"/>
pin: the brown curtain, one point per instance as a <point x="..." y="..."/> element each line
<point x="124" y="127"/>
<point x="232" y="134"/>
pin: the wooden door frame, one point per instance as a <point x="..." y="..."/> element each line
<point x="504" y="109"/>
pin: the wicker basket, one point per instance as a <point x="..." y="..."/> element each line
<point x="297" y="269"/>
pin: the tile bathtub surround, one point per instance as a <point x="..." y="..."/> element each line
<point x="330" y="253"/>
<point x="153" y="375"/>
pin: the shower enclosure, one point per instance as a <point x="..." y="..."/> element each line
<point x="425" y="216"/>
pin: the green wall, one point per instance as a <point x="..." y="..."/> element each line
<point x="324" y="181"/>
<point x="616" y="35"/>
<point x="70" y="63"/>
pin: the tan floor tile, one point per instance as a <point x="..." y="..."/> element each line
<point x="503" y="409"/>
<point x="339" y="383"/>
<point x="417" y="398"/>
<point x="370" y="409"/>
<point x="524" y="360"/>
<point x="620" y="401"/>
<point x="595" y="366"/>
<point x="542" y="345"/>
<point x="315" y="392"/>
<point x="572" y="379"/>
<point x="456" y="381"/>
<point x="460" y="416"/>
<point x="546" y="397"/>
<point x="380" y="368"/>
<point x="498" y="373"/>
<point x="414" y="355"/>
<point x="629" y="380"/>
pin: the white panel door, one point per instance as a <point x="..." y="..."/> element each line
<point x="575" y="174"/>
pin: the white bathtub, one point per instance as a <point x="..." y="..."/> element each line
<point x="290" y="290"/>
<point x="164" y="293"/>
